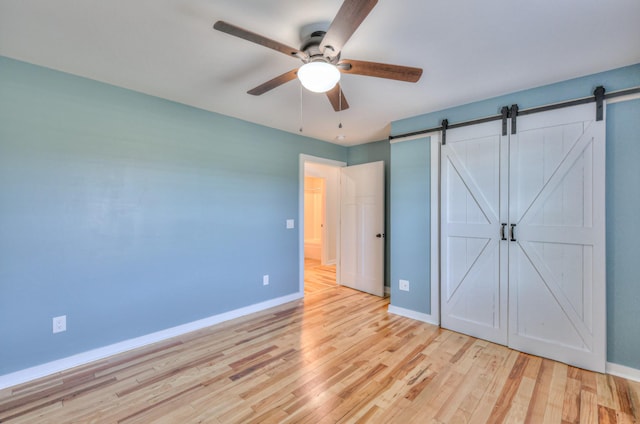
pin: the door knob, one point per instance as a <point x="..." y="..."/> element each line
<point x="379" y="235"/>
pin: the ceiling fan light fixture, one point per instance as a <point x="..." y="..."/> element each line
<point x="318" y="77"/>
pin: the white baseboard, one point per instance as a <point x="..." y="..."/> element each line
<point x="623" y="371"/>
<point x="39" y="371"/>
<point x="419" y="316"/>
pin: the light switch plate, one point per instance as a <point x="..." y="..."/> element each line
<point x="290" y="224"/>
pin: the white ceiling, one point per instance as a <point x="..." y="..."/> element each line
<point x="469" y="50"/>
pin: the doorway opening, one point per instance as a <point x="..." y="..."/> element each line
<point x="319" y="222"/>
<point x="353" y="227"/>
<point x="314" y="218"/>
<point x="319" y="266"/>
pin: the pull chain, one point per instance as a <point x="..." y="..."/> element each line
<point x="300" y="108"/>
<point x="340" y="106"/>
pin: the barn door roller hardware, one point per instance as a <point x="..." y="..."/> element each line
<point x="598" y="93"/>
<point x="598" y="97"/>
<point x="445" y="125"/>
<point x="505" y="115"/>
<point x="513" y="113"/>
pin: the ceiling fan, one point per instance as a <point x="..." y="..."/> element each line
<point x="320" y="54"/>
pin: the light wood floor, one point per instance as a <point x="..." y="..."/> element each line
<point x="318" y="277"/>
<point x="337" y="356"/>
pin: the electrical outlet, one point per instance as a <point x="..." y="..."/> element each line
<point x="265" y="280"/>
<point x="60" y="324"/>
<point x="404" y="285"/>
<point x="290" y="224"/>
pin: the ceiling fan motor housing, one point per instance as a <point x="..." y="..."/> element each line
<point x="311" y="46"/>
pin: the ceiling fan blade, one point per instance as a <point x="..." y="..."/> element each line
<point x="276" y="82"/>
<point x="348" y="19"/>
<point x="258" y="39"/>
<point x="336" y="97"/>
<point x="380" y="70"/>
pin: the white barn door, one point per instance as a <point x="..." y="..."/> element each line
<point x="473" y="286"/>
<point x="523" y="232"/>
<point x="557" y="263"/>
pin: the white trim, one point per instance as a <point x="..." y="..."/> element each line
<point x="314" y="159"/>
<point x="626" y="98"/>
<point x="622" y="371"/>
<point x="408" y="313"/>
<point x="39" y="371"/>
<point x="435" y="227"/>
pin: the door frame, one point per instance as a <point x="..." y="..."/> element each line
<point x="301" y="165"/>
<point x="435" y="145"/>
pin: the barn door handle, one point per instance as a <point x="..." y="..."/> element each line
<point x="512" y="232"/>
<point x="502" y="236"/>
<point x="379" y="235"/>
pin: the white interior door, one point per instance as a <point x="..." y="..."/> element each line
<point x="557" y="263"/>
<point x="473" y="286"/>
<point x="362" y="227"/>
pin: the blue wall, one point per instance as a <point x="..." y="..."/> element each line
<point x="410" y="223"/>
<point x="623" y="232"/>
<point x="132" y="214"/>
<point x="623" y="201"/>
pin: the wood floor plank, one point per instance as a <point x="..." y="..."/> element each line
<point x="455" y="405"/>
<point x="519" y="406"/>
<point x="555" y="402"/>
<point x="498" y="379"/>
<point x="634" y="395"/>
<point x="623" y="396"/>
<point x="509" y="390"/>
<point x="588" y="406"/>
<point x="470" y="405"/>
<point x="540" y="395"/>
<point x="606" y="396"/>
<point x="571" y="404"/>
<point x="606" y="415"/>
<point x="337" y="356"/>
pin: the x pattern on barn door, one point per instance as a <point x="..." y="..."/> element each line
<point x="523" y="235"/>
<point x="473" y="297"/>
